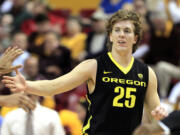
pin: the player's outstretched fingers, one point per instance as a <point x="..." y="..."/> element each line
<point x="16" y="54"/>
<point x="7" y="50"/>
<point x="4" y="71"/>
<point x="10" y="86"/>
<point x="10" y="51"/>
<point x="159" y="113"/>
<point x="16" y="67"/>
<point x="7" y="81"/>
<point x="8" y="78"/>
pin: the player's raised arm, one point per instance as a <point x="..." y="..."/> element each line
<point x="7" y="59"/>
<point x="80" y="74"/>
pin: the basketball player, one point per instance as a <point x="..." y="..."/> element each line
<point x="18" y="99"/>
<point x="118" y="84"/>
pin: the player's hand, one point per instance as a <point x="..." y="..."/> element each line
<point x="7" y="58"/>
<point x="159" y="113"/>
<point x="16" y="83"/>
<point x="19" y="100"/>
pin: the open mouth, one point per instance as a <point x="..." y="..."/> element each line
<point x="121" y="42"/>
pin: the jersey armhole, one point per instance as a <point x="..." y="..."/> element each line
<point x="87" y="83"/>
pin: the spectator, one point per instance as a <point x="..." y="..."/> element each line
<point x="20" y="39"/>
<point x="31" y="69"/>
<point x="37" y="38"/>
<point x="112" y="6"/>
<point x="43" y="121"/>
<point x="40" y="7"/>
<point x="163" y="36"/>
<point x="5" y="31"/>
<point x="71" y="122"/>
<point x="143" y="49"/>
<point x="97" y="39"/>
<point x="55" y="59"/>
<point x="19" y="13"/>
<point x="74" y="38"/>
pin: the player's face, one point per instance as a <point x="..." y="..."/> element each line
<point x="122" y="35"/>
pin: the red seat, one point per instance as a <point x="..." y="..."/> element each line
<point x="62" y="12"/>
<point x="86" y="13"/>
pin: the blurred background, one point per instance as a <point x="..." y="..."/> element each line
<point x="56" y="35"/>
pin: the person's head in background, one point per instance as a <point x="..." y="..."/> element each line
<point x="6" y="20"/>
<point x="99" y="22"/>
<point x="31" y="68"/>
<point x="38" y="7"/>
<point x="73" y="26"/>
<point x="132" y="32"/>
<point x="140" y="7"/>
<point x="42" y="23"/>
<point x="51" y="42"/>
<point x="158" y="19"/>
<point x="20" y="39"/>
<point x="19" y="3"/>
<point x="6" y="28"/>
<point x="81" y="109"/>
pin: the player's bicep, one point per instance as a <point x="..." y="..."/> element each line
<point x="152" y="98"/>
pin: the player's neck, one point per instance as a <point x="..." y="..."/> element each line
<point x="123" y="58"/>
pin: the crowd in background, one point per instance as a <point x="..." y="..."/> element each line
<point x="54" y="42"/>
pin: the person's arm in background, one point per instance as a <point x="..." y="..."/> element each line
<point x="17" y="100"/>
<point x="152" y="101"/>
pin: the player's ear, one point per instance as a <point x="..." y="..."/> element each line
<point x="110" y="37"/>
<point x="135" y="39"/>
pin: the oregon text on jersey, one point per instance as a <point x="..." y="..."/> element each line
<point x="123" y="81"/>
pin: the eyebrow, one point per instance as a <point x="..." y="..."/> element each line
<point x="122" y="28"/>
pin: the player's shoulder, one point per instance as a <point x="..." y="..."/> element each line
<point x="151" y="72"/>
<point x="89" y="61"/>
<point x="140" y="65"/>
<point x="140" y="62"/>
<point x="89" y="64"/>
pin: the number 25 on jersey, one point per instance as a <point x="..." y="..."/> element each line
<point x="130" y="98"/>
